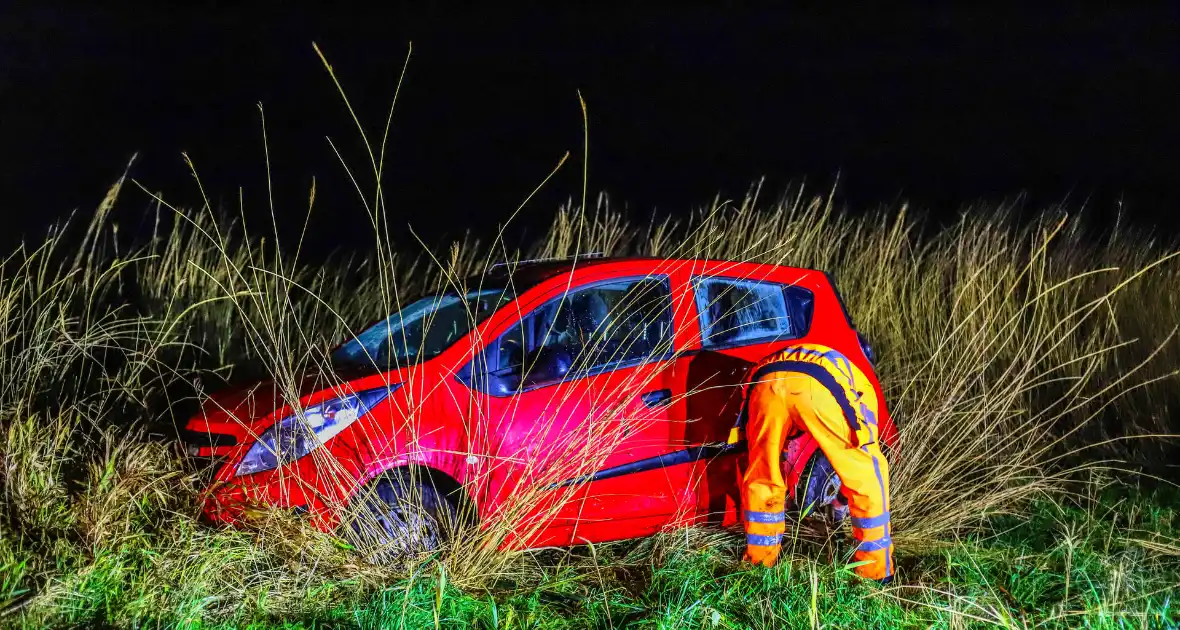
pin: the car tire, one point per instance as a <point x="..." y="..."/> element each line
<point x="818" y="487"/>
<point x="401" y="515"/>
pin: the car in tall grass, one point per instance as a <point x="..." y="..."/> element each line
<point x="583" y="400"/>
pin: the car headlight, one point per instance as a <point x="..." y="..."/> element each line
<point x="293" y="437"/>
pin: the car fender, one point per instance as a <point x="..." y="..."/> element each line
<point x="445" y="483"/>
<point x="406" y="434"/>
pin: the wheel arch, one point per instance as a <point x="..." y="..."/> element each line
<point x="444" y="483"/>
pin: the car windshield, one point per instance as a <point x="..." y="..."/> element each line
<point x="420" y="331"/>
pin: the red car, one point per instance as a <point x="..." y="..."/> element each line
<point x="610" y="383"/>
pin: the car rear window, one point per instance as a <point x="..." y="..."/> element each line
<point x="738" y="312"/>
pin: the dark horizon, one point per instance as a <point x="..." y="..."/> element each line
<point x="940" y="108"/>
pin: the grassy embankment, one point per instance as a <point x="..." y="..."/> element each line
<point x="1028" y="362"/>
<point x="1013" y="355"/>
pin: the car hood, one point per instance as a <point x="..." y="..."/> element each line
<point x="242" y="412"/>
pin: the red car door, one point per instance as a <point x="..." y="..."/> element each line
<point x="576" y="392"/>
<point x="742" y="320"/>
<point x="607" y="488"/>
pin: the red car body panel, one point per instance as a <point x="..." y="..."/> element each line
<point x="486" y="443"/>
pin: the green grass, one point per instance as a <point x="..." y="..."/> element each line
<point x="1064" y="565"/>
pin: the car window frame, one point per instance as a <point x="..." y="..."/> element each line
<point x="785" y="287"/>
<point x="466" y="374"/>
<point x="369" y="367"/>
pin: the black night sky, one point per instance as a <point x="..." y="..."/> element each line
<point x="938" y="107"/>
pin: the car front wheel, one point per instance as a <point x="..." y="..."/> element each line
<point x="401" y="515"/>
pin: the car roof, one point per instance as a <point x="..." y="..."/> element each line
<point x="528" y="273"/>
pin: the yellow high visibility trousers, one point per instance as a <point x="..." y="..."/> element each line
<point x="815" y="389"/>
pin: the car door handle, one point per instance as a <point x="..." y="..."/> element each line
<point x="657" y="398"/>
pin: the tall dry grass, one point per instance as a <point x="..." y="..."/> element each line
<point x="1006" y="349"/>
<point x="1015" y="354"/>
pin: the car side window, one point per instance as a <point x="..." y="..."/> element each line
<point x="586" y="331"/>
<point x="738" y="312"/>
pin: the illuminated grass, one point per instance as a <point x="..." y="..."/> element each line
<point x="1021" y="359"/>
<point x="99" y="522"/>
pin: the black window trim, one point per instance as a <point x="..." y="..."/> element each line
<point x="464" y="375"/>
<point x="784" y="287"/>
